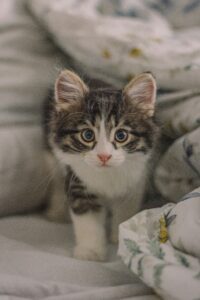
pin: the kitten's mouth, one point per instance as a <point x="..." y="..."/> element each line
<point x="105" y="166"/>
<point x="108" y="166"/>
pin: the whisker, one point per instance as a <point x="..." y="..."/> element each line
<point x="47" y="180"/>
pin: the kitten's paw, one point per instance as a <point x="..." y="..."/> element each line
<point x="93" y="254"/>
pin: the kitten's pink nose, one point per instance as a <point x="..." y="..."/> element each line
<point x="104" y="157"/>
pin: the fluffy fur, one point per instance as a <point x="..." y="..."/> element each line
<point x="103" y="139"/>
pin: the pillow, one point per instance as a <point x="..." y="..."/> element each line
<point x="24" y="175"/>
<point x="178" y="170"/>
<point x="27" y="69"/>
<point x="117" y="43"/>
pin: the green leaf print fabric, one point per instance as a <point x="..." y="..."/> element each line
<point x="171" y="268"/>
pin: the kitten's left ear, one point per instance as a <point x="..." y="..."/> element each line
<point x="69" y="90"/>
<point x="141" y="92"/>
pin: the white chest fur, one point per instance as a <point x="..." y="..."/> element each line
<point x="112" y="183"/>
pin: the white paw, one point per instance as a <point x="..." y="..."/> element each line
<point x="85" y="253"/>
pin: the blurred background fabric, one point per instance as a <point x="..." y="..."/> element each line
<point x="116" y="40"/>
<point x="28" y="62"/>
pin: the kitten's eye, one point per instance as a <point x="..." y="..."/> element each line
<point x="121" y="135"/>
<point x="87" y="135"/>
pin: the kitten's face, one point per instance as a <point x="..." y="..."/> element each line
<point x="103" y="127"/>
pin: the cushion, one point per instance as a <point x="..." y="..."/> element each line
<point x="116" y="41"/>
<point x="28" y="63"/>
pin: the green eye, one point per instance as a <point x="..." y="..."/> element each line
<point x="121" y="135"/>
<point x="87" y="135"/>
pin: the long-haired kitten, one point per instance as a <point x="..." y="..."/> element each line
<point x="102" y="138"/>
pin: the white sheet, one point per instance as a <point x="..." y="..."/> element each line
<point x="36" y="263"/>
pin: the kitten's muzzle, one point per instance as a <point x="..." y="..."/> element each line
<point x="104" y="158"/>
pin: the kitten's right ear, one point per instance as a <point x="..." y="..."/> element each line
<point x="69" y="90"/>
<point x="141" y="92"/>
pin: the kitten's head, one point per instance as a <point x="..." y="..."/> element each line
<point x="103" y="127"/>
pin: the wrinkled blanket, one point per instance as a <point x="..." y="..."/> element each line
<point x="36" y="263"/>
<point x="162" y="246"/>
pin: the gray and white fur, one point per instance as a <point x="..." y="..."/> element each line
<point x="102" y="138"/>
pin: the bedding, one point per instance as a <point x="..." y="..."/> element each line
<point x="116" y="40"/>
<point x="171" y="267"/>
<point x="28" y="66"/>
<point x="36" y="263"/>
<point x="178" y="170"/>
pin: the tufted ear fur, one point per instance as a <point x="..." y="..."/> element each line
<point x="141" y="92"/>
<point x="69" y="90"/>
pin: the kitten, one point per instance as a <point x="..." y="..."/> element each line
<point x="103" y="139"/>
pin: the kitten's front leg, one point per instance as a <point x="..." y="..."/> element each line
<point x="89" y="229"/>
<point x="57" y="209"/>
<point x="88" y="218"/>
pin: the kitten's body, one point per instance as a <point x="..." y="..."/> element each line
<point x="108" y="172"/>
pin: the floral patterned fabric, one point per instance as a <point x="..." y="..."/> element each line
<point x="171" y="272"/>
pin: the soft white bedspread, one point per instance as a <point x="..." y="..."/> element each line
<point x="36" y="263"/>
